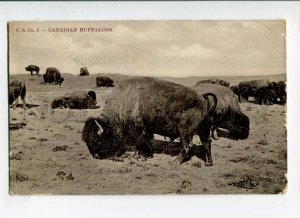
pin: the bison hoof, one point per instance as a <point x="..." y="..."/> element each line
<point x="208" y="164"/>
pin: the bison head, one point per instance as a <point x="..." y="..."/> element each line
<point x="99" y="138"/>
<point x="238" y="127"/>
<point x="91" y="99"/>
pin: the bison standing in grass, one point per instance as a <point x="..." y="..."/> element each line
<point x="53" y="75"/>
<point x="17" y="88"/>
<point x="254" y="88"/>
<point x="141" y="107"/>
<point x="76" y="100"/>
<point x="227" y="114"/>
<point x="84" y="72"/>
<point x="33" y="68"/>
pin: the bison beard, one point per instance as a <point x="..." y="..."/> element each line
<point x="139" y="108"/>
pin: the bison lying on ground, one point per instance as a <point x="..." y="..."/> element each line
<point x="138" y="108"/>
<point x="52" y="75"/>
<point x="214" y="81"/>
<point x="17" y="88"/>
<point x="104" y="81"/>
<point x="227" y="114"/>
<point x="84" y="71"/>
<point x="76" y="100"/>
<point x="32" y="68"/>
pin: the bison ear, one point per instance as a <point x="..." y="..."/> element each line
<point x="100" y="131"/>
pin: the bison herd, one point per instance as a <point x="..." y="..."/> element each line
<point x="140" y="107"/>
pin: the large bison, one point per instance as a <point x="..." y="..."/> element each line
<point x="227" y="114"/>
<point x="76" y="100"/>
<point x="104" y="81"/>
<point x="17" y="88"/>
<point x="84" y="72"/>
<point x="53" y="75"/>
<point x="33" y="68"/>
<point x="214" y="81"/>
<point x="138" y="108"/>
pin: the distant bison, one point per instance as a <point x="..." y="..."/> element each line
<point x="254" y="88"/>
<point x="104" y="81"/>
<point x="33" y="68"/>
<point x="139" y="108"/>
<point x="214" y="81"/>
<point x="281" y="92"/>
<point x="227" y="114"/>
<point x="84" y="71"/>
<point x="76" y="100"/>
<point x="17" y="88"/>
<point x="236" y="90"/>
<point x="53" y="75"/>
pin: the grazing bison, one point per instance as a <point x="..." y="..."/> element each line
<point x="104" y="81"/>
<point x="17" y="88"/>
<point x="254" y="88"/>
<point x="52" y="75"/>
<point x="214" y="81"/>
<point x="32" y="68"/>
<point x="139" y="108"/>
<point x="76" y="100"/>
<point x="84" y="71"/>
<point x="227" y="114"/>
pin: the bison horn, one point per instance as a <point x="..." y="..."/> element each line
<point x="100" y="131"/>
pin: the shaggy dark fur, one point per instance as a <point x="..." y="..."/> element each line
<point x="141" y="107"/>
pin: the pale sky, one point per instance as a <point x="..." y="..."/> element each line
<point x="153" y="48"/>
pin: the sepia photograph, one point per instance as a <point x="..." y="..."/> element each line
<point x="147" y="107"/>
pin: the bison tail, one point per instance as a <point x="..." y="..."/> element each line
<point x="211" y="106"/>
